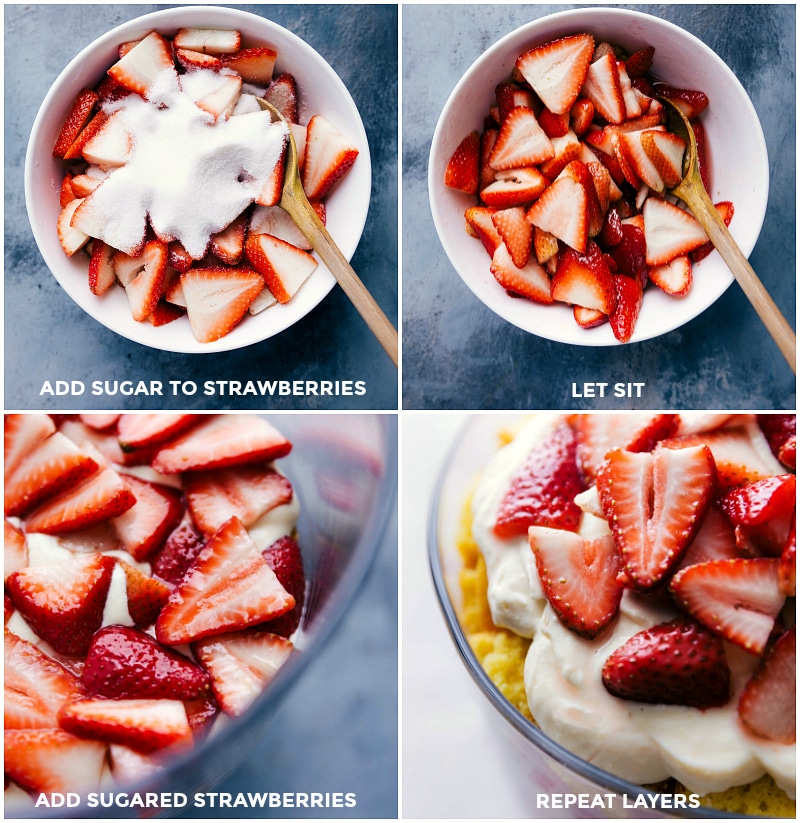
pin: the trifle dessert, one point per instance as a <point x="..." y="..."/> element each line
<point x="173" y="172"/>
<point x="570" y="176"/>
<point x="629" y="586"/>
<point x="153" y="587"/>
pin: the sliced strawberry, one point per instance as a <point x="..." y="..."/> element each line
<point x="275" y="221"/>
<point x="140" y="67"/>
<point x="241" y="664"/>
<point x="665" y="151"/>
<point x="286" y="560"/>
<point x="144" y="725"/>
<point x="579" y="172"/>
<point x="554" y="125"/>
<point x="164" y="313"/>
<point x="761" y="501"/>
<point x="109" y="146"/>
<point x="54" y="465"/>
<point x="517" y="233"/>
<point x="283" y="266"/>
<point x="581" y="115"/>
<point x="87" y="438"/>
<point x="479" y="222"/>
<point x="531" y="281"/>
<point x="51" y="760"/>
<point x="89" y="131"/>
<point x="16" y="549"/>
<point x="146" y="595"/>
<point x="639" y="63"/>
<point x="778" y="429"/>
<point x="128" y="663"/>
<point x="201" y="714"/>
<point x="632" y="148"/>
<point x="630" y="253"/>
<point x="129" y="766"/>
<point x="22" y="433"/>
<point x="217" y="299"/>
<point x="139" y="431"/>
<point x="691" y="103"/>
<point x="584" y="280"/>
<point x="147" y="287"/>
<point x="579" y="578"/>
<point x="562" y="210"/>
<point x="254" y="65"/>
<point x="521" y="142"/>
<point x="208" y="41"/>
<point x="565" y="150"/>
<point x="63" y="602"/>
<point x="715" y="540"/>
<point x="669" y="231"/>
<point x="462" y="172"/>
<point x="35" y="687"/>
<point x="100" y="498"/>
<point x="598" y="434"/>
<point x="228" y="244"/>
<point x="514" y="187"/>
<point x="245" y="492"/>
<point x="178" y="257"/>
<point x="282" y="93"/>
<point x="329" y="156"/>
<point x="230" y="586"/>
<point x="602" y="87"/>
<point x="72" y="239"/>
<point x="673" y="278"/>
<point x="678" y="663"/>
<point x="588" y="318"/>
<point x="654" y="504"/>
<point x="179" y="552"/>
<point x="738" y="599"/>
<point x="76" y="119"/>
<point x="218" y="101"/>
<point x="768" y="705"/>
<point x="787" y="567"/>
<point x="557" y="70"/>
<point x="190" y="59"/>
<point x="507" y="98"/>
<point x="629" y="97"/>
<point x="702" y="154"/>
<point x="545" y="245"/>
<point x="725" y="211"/>
<point x="626" y="308"/>
<point x="100" y="422"/>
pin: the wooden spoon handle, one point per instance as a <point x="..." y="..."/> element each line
<point x="782" y="333"/>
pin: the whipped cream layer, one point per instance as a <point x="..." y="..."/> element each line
<point x="706" y="750"/>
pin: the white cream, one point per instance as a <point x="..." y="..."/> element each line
<point x="705" y="750"/>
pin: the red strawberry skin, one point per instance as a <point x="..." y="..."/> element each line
<point x="179" y="552"/>
<point x="125" y="662"/>
<point x="286" y="560"/>
<point x="462" y="169"/>
<point x="542" y="491"/>
<point x="679" y="663"/>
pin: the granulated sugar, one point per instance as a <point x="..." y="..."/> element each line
<point x="190" y="175"/>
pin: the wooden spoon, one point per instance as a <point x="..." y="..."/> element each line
<point x="692" y="191"/>
<point x="295" y="203"/>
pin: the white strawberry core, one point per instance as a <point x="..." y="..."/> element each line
<point x="189" y="173"/>
<point x="706" y="750"/>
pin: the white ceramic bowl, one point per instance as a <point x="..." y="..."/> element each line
<point x="320" y="90"/>
<point x="733" y="133"/>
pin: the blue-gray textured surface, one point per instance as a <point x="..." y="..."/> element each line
<point x="48" y="337"/>
<point x="458" y="354"/>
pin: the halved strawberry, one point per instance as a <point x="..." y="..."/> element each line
<point x="128" y="663"/>
<point x="557" y="70"/>
<point x="51" y="760"/>
<point x="140" y="67"/>
<point x="35" y="687"/>
<point x="230" y="586"/>
<point x="530" y="281"/>
<point x="579" y="578"/>
<point x="101" y="497"/>
<point x="146" y="595"/>
<point x="673" y="278"/>
<point x="581" y="115"/>
<point x="217" y="298"/>
<point x="254" y="65"/>
<point x="241" y="664"/>
<point x="77" y="118"/>
<point x="208" y="41"/>
<point x="654" y="504"/>
<point x="139" y="431"/>
<point x="626" y="308"/>
<point x="145" y="526"/>
<point x="462" y="172"/>
<point x="691" y="103"/>
<point x="228" y="244"/>
<point x="602" y="87"/>
<point x="283" y="266"/>
<point x="517" y="233"/>
<point x="246" y="492"/>
<point x="22" y="433"/>
<point x="54" y="465"/>
<point x="479" y="223"/>
<point x="598" y="434"/>
<point x="144" y="725"/>
<point x="63" y="602"/>
<point x="665" y="151"/>
<point x="562" y="210"/>
<point x="584" y="280"/>
<point x="669" y="231"/>
<point x="678" y="663"/>
<point x="738" y="599"/>
<point x="190" y="59"/>
<point x="521" y="142"/>
<point x="179" y="552"/>
<point x="329" y="156"/>
<point x="543" y="488"/>
<point x="282" y="93"/>
<point x="768" y="705"/>
<point x="514" y="187"/>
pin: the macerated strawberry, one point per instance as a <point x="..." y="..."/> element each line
<point x="787" y="566"/>
<point x="230" y="586"/>
<point x="763" y="500"/>
<point x="778" y="429"/>
<point x="286" y="560"/>
<point x="254" y="65"/>
<point x="521" y="143"/>
<point x="463" y="172"/>
<point x="715" y="540"/>
<point x="51" y="760"/>
<point x="76" y="119"/>
<point x="179" y="552"/>
<point x="669" y="231"/>
<point x="673" y="278"/>
<point x="22" y="433"/>
<point x="588" y="318"/>
<point x="145" y="526"/>
<point x="517" y="233"/>
<point x="634" y="154"/>
<point x="562" y="210"/>
<point x="16" y="549"/>
<point x="284" y="267"/>
<point x="143" y="724"/>
<point x="665" y="151"/>
<point x="139" y="431"/>
<point x="738" y="599"/>
<point x="146" y="595"/>
<point x="245" y="492"/>
<point x="63" y="602"/>
<point x="557" y="70"/>
<point x="626" y="308"/>
<point x="654" y="504"/>
<point x="123" y="662"/>
<point x="241" y="664"/>
<point x="52" y="466"/>
<point x="140" y="67"/>
<point x="514" y="187"/>
<point x="691" y="103"/>
<point x="329" y="156"/>
<point x="35" y="687"/>
<point x="101" y="497"/>
<point x="530" y="281"/>
<point x="678" y="663"/>
<point x="579" y="577"/>
<point x="639" y="63"/>
<point x="584" y="280"/>
<point x="630" y="253"/>
<point x="282" y="93"/>
<point x="768" y="705"/>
